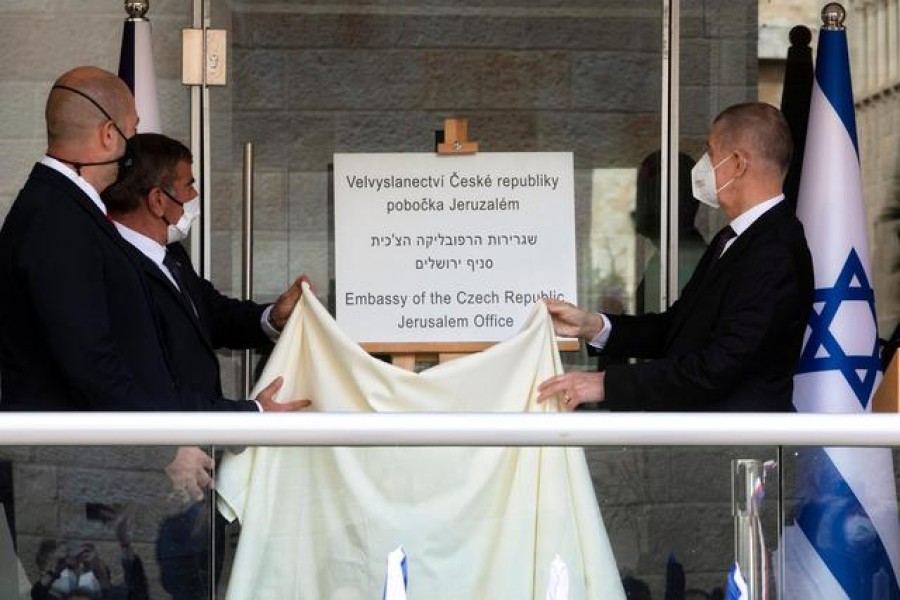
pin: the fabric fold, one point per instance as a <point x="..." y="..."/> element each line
<point x="474" y="522"/>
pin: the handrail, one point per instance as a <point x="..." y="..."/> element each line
<point x="449" y="429"/>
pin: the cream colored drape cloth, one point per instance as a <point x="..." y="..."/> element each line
<point x="475" y="523"/>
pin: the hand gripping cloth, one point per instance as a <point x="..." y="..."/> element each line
<point x="475" y="523"/>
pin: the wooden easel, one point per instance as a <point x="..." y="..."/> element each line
<point x="456" y="138"/>
<point x="405" y="355"/>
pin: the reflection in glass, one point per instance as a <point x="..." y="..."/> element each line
<point x="99" y="522"/>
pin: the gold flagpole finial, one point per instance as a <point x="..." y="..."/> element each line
<point x="136" y="9"/>
<point x="833" y="16"/>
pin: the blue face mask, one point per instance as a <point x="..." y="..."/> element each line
<point x="125" y="162"/>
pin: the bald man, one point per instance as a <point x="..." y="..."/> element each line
<point x="77" y="327"/>
<point x="732" y="341"/>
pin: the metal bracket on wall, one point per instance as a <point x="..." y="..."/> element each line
<point x="204" y="56"/>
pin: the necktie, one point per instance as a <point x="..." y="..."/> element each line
<point x="722" y="238"/>
<point x="717" y="247"/>
<point x="174" y="268"/>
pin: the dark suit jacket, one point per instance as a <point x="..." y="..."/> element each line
<point x="191" y="338"/>
<point x="77" y="327"/>
<point x="731" y="342"/>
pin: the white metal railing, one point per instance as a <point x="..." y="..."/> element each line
<point x="450" y="429"/>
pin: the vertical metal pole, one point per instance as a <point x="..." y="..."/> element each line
<point x="664" y="153"/>
<point x="206" y="206"/>
<point x="779" y="512"/>
<point x="674" y="132"/>
<point x="200" y="135"/>
<point x="669" y="145"/>
<point x="749" y="551"/>
<point x="247" y="252"/>
<point x="200" y="235"/>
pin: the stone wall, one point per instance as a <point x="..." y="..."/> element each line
<point x="872" y="31"/>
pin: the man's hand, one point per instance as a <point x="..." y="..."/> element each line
<point x="286" y="302"/>
<point x="191" y="472"/>
<point x="266" y="399"/>
<point x="571" y="321"/>
<point x="573" y="389"/>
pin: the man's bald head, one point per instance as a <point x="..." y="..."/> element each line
<point x="70" y="116"/>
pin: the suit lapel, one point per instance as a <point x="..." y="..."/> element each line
<point x="699" y="280"/>
<point x="92" y="212"/>
<point x="158" y="278"/>
<point x="748" y="240"/>
<point x="82" y="200"/>
<point x="707" y="275"/>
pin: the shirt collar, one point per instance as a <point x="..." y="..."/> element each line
<point x="75" y="178"/>
<point x="148" y="246"/>
<point x="742" y="222"/>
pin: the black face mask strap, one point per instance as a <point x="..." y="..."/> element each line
<point x="78" y="165"/>
<point x="106" y="114"/>
<point x="92" y="101"/>
<point x="172" y="198"/>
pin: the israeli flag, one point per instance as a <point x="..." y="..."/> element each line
<point x="736" y="589"/>
<point x="136" y="69"/>
<point x="396" y="577"/>
<point x="845" y="542"/>
<point x="558" y="582"/>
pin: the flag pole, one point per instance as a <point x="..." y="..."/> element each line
<point x="136" y="65"/>
<point x="795" y="95"/>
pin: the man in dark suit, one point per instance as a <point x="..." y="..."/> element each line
<point x="732" y="340"/>
<point x="153" y="207"/>
<point x="77" y="326"/>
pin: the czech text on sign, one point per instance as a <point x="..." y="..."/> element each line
<point x="433" y="248"/>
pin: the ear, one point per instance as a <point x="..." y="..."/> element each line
<point x="108" y="135"/>
<point x="742" y="164"/>
<point x="156" y="202"/>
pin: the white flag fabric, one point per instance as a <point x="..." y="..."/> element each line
<point x="395" y="576"/>
<point x="737" y="586"/>
<point x="478" y="522"/>
<point x="558" y="586"/>
<point x="13" y="580"/>
<point x="846" y="538"/>
<point x="136" y="69"/>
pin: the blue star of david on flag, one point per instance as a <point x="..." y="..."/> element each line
<point x="823" y="352"/>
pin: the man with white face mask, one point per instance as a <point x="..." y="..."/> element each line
<point x="732" y="340"/>
<point x="153" y="207"/>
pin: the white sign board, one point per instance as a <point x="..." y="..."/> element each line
<point x="432" y="248"/>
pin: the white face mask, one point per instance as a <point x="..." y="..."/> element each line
<point x="703" y="181"/>
<point x="180" y="230"/>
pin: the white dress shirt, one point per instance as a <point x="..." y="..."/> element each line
<point x="77" y="179"/>
<point x="149" y="247"/>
